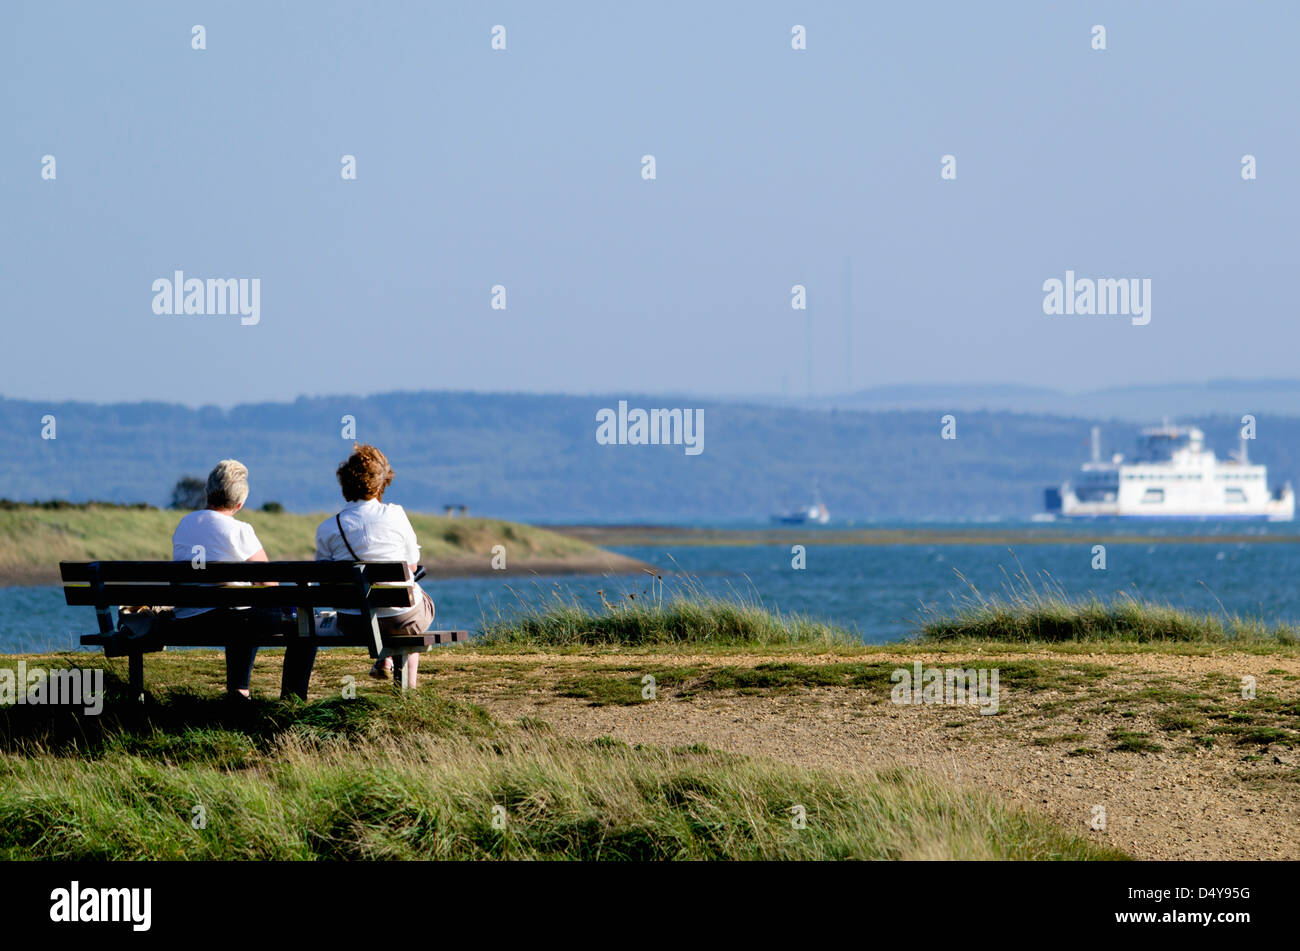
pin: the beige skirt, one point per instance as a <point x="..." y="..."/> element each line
<point x="415" y="621"/>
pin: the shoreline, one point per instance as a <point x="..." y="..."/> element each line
<point x="643" y="536"/>
<point x="34" y="539"/>
<point x="600" y="563"/>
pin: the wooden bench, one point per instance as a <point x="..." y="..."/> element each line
<point x="305" y="585"/>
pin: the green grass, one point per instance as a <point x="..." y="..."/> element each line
<point x="1063" y="738"/>
<point x="1133" y="741"/>
<point x="624" y="686"/>
<point x="602" y="690"/>
<point x="423" y="777"/>
<point x="1025" y="612"/>
<point x="1176" y="721"/>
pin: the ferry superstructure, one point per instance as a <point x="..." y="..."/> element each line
<point x="1172" y="475"/>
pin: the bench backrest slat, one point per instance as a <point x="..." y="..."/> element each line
<point x="218" y="572"/>
<point x="201" y="596"/>
<point x="319" y="584"/>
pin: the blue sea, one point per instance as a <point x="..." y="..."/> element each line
<point x="876" y="590"/>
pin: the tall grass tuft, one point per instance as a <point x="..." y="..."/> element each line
<point x="689" y="616"/>
<point x="1026" y="611"/>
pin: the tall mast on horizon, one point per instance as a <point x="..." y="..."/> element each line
<point x="848" y="325"/>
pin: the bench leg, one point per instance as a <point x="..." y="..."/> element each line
<point x="399" y="671"/>
<point x="135" y="676"/>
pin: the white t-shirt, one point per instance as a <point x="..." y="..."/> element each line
<point x="377" y="531"/>
<point x="223" y="539"/>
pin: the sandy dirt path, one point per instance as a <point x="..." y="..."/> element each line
<point x="1222" y="801"/>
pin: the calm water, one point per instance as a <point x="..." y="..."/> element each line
<point x="876" y="590"/>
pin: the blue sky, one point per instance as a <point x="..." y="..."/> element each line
<point x="523" y="168"/>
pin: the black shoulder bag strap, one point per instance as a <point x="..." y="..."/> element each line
<point x="345" y="539"/>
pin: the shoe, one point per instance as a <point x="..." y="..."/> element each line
<point x="382" y="670"/>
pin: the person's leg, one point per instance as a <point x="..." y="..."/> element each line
<point x="416" y="621"/>
<point x="419" y="620"/>
<point x="229" y="626"/>
<point x="240" y="654"/>
<point x="239" y="667"/>
<point x="299" y="659"/>
<point x="383" y="665"/>
<point x="222" y="627"/>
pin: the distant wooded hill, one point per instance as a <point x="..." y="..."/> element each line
<point x="1137" y="403"/>
<point x="535" y="457"/>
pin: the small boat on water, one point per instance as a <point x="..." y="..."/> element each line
<point x="815" y="514"/>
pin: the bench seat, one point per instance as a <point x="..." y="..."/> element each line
<point x="121" y="643"/>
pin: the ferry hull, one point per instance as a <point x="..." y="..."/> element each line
<point x="1233" y="517"/>
<point x="1063" y="503"/>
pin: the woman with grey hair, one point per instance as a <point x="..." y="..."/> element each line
<point x="216" y="535"/>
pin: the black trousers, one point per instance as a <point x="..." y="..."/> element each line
<point x="233" y="625"/>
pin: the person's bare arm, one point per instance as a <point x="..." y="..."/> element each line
<point x="412" y="544"/>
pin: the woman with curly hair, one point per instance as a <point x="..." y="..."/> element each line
<point x="369" y="529"/>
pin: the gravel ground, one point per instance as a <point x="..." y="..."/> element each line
<point x="1185" y="801"/>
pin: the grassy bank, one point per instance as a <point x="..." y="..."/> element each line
<point x="1029" y="612"/>
<point x="380" y="776"/>
<point x="696" y="618"/>
<point x="33" y="540"/>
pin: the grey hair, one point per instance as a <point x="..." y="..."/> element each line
<point x="228" y="484"/>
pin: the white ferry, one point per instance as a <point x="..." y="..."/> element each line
<point x="1173" y="475"/>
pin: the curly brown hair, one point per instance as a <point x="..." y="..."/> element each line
<point x="365" y="474"/>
